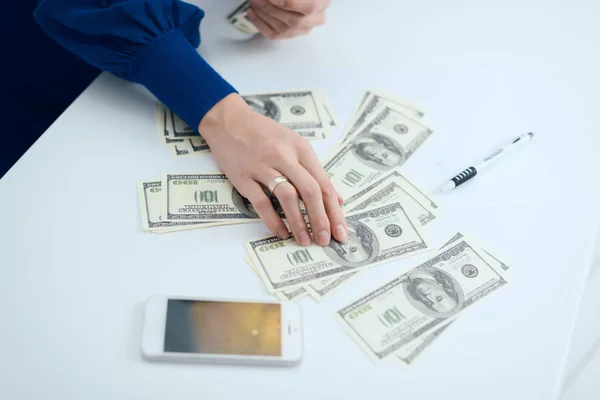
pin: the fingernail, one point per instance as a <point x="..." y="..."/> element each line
<point x="342" y="233"/>
<point x="323" y="238"/>
<point x="258" y="3"/>
<point x="304" y="239"/>
<point x="283" y="233"/>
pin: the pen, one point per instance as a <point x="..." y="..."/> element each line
<point x="470" y="172"/>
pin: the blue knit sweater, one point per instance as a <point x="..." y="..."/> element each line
<point x="151" y="42"/>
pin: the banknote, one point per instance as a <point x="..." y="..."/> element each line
<point x="239" y="19"/>
<point x="371" y="103"/>
<point x="391" y="188"/>
<point x="152" y="208"/>
<point x="490" y="258"/>
<point x="306" y="112"/>
<point x="302" y="111"/>
<point x="407" y="354"/>
<point x="377" y="235"/>
<point x="380" y="147"/>
<point x="420" y="301"/>
<point x="207" y="197"/>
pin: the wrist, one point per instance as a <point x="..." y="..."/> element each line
<point x="223" y="115"/>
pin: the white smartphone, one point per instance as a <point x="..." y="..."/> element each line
<point x="222" y="331"/>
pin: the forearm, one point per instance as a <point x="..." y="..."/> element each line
<point x="179" y="77"/>
<point x="151" y="43"/>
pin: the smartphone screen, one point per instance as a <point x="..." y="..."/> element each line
<point x="215" y="327"/>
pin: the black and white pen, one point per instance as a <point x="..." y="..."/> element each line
<point x="470" y="172"/>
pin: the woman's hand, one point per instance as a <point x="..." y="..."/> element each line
<point x="252" y="150"/>
<point x="279" y="19"/>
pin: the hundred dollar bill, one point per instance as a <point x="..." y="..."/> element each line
<point x="239" y="19"/>
<point x="407" y="354"/>
<point x="381" y="146"/>
<point x="375" y="236"/>
<point x="490" y="258"/>
<point x="304" y="111"/>
<point x="390" y="189"/>
<point x="151" y="200"/>
<point x="421" y="301"/>
<point x="206" y="197"/>
<point x="411" y="351"/>
<point x="371" y="103"/>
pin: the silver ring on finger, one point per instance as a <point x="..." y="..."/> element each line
<point x="276" y="182"/>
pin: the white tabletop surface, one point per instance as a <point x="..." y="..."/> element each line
<point x="77" y="267"/>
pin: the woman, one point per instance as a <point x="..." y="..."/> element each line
<point x="153" y="43"/>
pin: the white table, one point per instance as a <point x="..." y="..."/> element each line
<point x="76" y="265"/>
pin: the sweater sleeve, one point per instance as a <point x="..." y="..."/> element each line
<point x="149" y="42"/>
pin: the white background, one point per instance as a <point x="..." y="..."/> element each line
<point x="77" y="266"/>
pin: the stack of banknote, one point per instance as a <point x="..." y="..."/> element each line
<point x="304" y="111"/>
<point x="386" y="212"/>
<point x="381" y="135"/>
<point x="238" y="18"/>
<point x="401" y="318"/>
<point x="388" y="217"/>
<point x="177" y="202"/>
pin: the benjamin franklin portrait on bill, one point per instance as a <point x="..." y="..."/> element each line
<point x="361" y="249"/>
<point x="246" y="208"/>
<point x="434" y="292"/>
<point x="378" y="151"/>
<point x="263" y="105"/>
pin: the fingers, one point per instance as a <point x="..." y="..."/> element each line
<point x="331" y="199"/>
<point x="288" y="198"/>
<point x="263" y="207"/>
<point x="302" y="6"/>
<point x="311" y="195"/>
<point x="276" y="23"/>
<point x="262" y="26"/>
<point x="297" y="32"/>
<point x="340" y="199"/>
<point x="294" y="20"/>
<point x="277" y="26"/>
